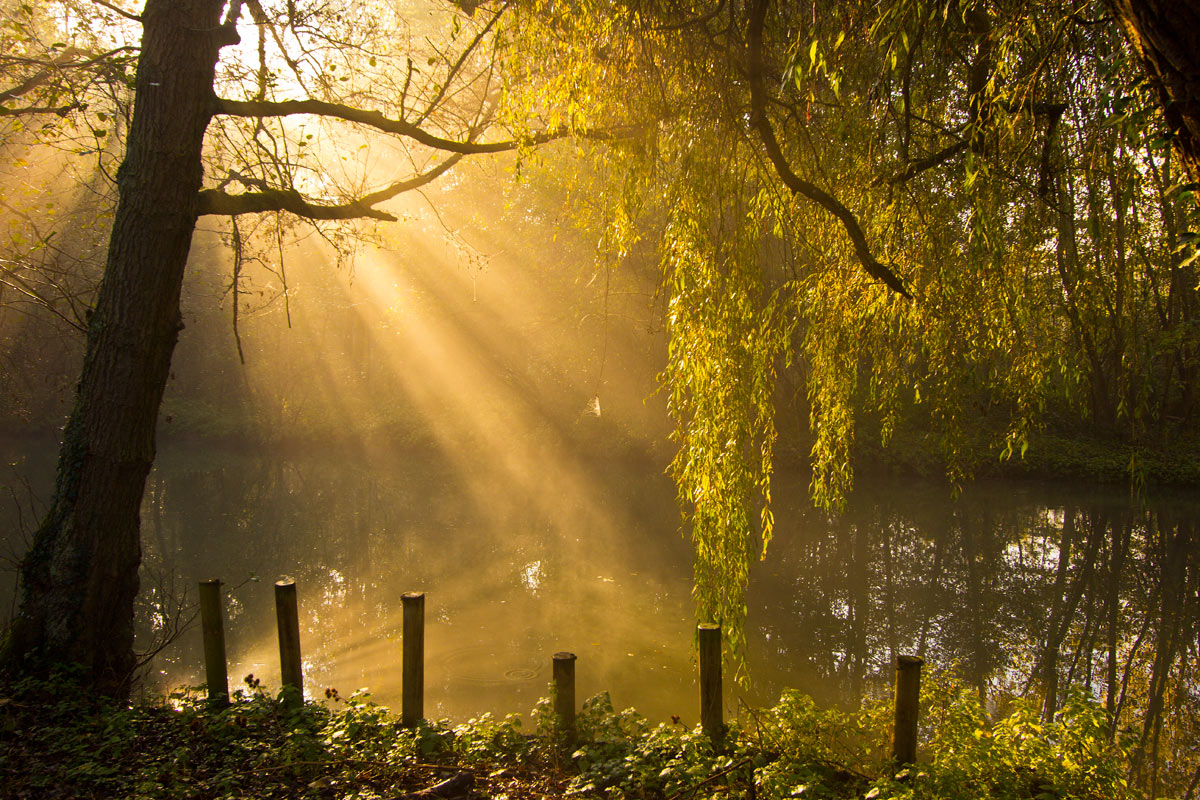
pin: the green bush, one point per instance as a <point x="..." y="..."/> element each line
<point x="56" y="741"/>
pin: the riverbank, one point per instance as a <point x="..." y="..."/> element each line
<point x="56" y="742"/>
<point x="1048" y="456"/>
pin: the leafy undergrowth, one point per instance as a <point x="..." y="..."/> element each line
<point x="55" y="742"/>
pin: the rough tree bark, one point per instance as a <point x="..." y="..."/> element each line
<point x="80" y="577"/>
<point x="1165" y="34"/>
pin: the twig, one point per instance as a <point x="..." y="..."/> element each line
<point x="455" y="786"/>
<point x="709" y="779"/>
<point x="117" y="9"/>
<point x="361" y="762"/>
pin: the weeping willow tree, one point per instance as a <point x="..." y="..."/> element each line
<point x="954" y="221"/>
<point x="691" y="189"/>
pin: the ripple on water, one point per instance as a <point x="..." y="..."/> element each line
<point x="485" y="664"/>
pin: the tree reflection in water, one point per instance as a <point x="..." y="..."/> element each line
<point x="1019" y="588"/>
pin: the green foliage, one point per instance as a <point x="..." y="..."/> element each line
<point x="624" y="756"/>
<point x="56" y="741"/>
<point x="818" y="752"/>
<point x="964" y="753"/>
<point x="798" y="749"/>
<point x="683" y="179"/>
<point x="1017" y="755"/>
<point x="728" y="334"/>
<point x="1004" y="159"/>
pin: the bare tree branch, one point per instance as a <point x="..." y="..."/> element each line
<point x="221" y="203"/>
<point x="217" y="202"/>
<point x="263" y="21"/>
<point x="13" y="280"/>
<point x="38" y="78"/>
<point x="63" y="61"/>
<point x="61" y="111"/>
<point x="915" y="168"/>
<point x="126" y="14"/>
<point x="457" y="66"/>
<point x="374" y="119"/>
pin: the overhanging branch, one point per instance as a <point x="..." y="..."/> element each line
<point x="915" y="168"/>
<point x="61" y="111"/>
<point x="761" y="123"/>
<point x="54" y="66"/>
<point x="218" y="202"/>
<point x="399" y="127"/>
<point x="117" y="9"/>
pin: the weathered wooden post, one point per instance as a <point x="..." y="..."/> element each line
<point x="711" y="713"/>
<point x="288" y="618"/>
<point x="212" y="623"/>
<point x="564" y="695"/>
<point x="908" y="709"/>
<point x="412" y="708"/>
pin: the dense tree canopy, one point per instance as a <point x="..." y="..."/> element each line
<point x="963" y="222"/>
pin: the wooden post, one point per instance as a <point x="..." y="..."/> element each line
<point x="711" y="713"/>
<point x="212" y="623"/>
<point x="564" y="695"/>
<point x="412" y="709"/>
<point x="908" y="709"/>
<point x="288" y="618"/>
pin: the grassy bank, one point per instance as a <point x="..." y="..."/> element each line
<point x="56" y="742"/>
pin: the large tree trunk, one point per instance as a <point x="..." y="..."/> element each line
<point x="1165" y="34"/>
<point x="80" y="576"/>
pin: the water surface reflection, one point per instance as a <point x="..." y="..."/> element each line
<point x="508" y="582"/>
<point x="1016" y="584"/>
<point x="1021" y="588"/>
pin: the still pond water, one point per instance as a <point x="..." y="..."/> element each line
<point x="1017" y="586"/>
